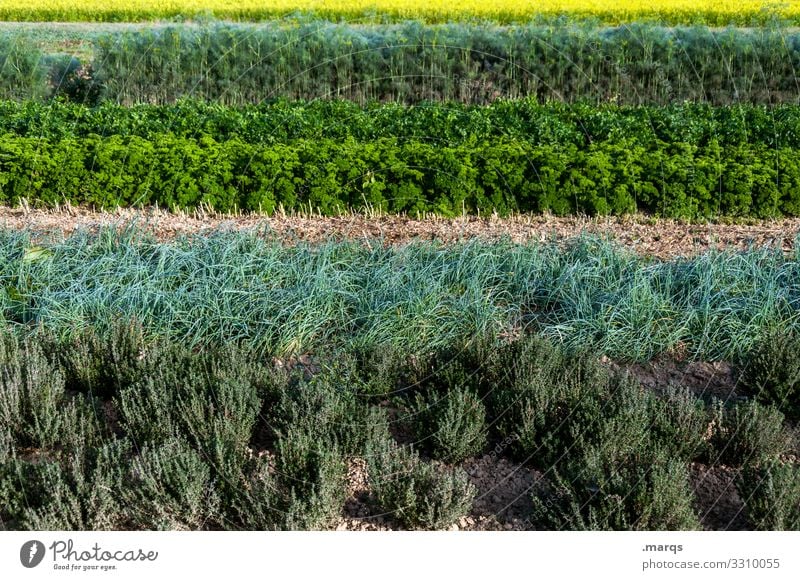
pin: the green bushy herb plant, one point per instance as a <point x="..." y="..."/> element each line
<point x="22" y="486"/>
<point x="772" y="372"/>
<point x="450" y="425"/>
<point x="301" y="487"/>
<point x="771" y="492"/>
<point x="679" y="422"/>
<point x="377" y="371"/>
<point x="640" y="491"/>
<point x="311" y="475"/>
<point x="326" y="407"/>
<point x="100" y="363"/>
<point x="417" y="494"/>
<point x="83" y="491"/>
<point x="498" y="174"/>
<point x="208" y="399"/>
<point x="746" y="433"/>
<point x="539" y="393"/>
<point x="35" y="410"/>
<point x="256" y="503"/>
<point x="169" y="487"/>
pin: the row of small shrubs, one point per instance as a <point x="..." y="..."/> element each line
<point x="615" y="456"/>
<point x="176" y="451"/>
<point x="329" y="177"/>
<point x="175" y="439"/>
<point x="445" y="124"/>
<point x="536" y="396"/>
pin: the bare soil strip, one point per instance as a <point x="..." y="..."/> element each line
<point x="645" y="235"/>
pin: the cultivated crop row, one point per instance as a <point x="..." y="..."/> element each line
<point x="122" y="433"/>
<point x="286" y="299"/>
<point x="711" y="12"/>
<point x="445" y="123"/>
<point x="332" y="177"/>
<point x="408" y="62"/>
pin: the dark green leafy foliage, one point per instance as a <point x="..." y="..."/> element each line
<point x="772" y="372"/>
<point x="446" y="123"/>
<point x="497" y="174"/>
<point x="771" y="492"/>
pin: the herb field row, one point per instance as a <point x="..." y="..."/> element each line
<point x="407" y="62"/>
<point x="124" y="433"/>
<point x="332" y="177"/>
<point x="239" y="287"/>
<point x="711" y="12"/>
<point x="309" y="311"/>
<point x="447" y="123"/>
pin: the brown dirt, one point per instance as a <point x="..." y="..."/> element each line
<point x="646" y="236"/>
<point x="358" y="513"/>
<point x="504" y="494"/>
<point x="717" y="501"/>
<point x="705" y="379"/>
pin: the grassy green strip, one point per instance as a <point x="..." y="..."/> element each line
<point x="242" y="288"/>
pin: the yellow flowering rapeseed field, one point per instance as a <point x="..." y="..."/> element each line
<point x="711" y="12"/>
